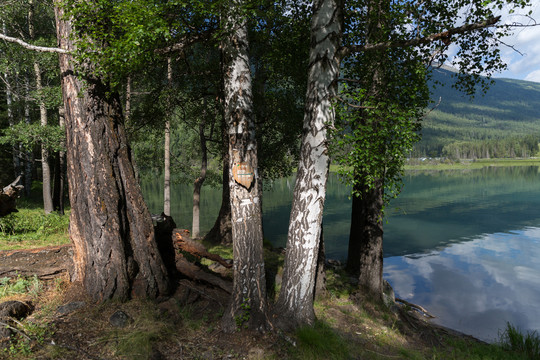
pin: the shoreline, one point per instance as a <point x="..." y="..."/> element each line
<point x="467" y="164"/>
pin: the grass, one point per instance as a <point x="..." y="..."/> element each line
<point x="320" y="341"/>
<point x="528" y="344"/>
<point x="31" y="286"/>
<point x="30" y="228"/>
<point x="470" y="164"/>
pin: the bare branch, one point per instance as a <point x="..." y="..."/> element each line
<point x="443" y="36"/>
<point x="353" y="105"/>
<point x="32" y="47"/>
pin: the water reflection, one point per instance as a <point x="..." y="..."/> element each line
<point x="475" y="286"/>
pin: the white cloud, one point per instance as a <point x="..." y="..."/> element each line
<point x="533" y="76"/>
<point x="478" y="285"/>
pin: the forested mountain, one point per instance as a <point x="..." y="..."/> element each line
<point x="503" y="122"/>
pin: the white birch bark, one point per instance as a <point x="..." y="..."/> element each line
<point x="248" y="301"/>
<point x="45" y="168"/>
<point x="167" y="165"/>
<point x="295" y="303"/>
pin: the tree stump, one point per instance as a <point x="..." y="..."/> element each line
<point x="8" y="197"/>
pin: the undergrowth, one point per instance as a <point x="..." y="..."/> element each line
<point x="31" y="227"/>
<point x="31" y="286"/>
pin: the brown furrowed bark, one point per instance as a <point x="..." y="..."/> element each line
<point x="295" y="303"/>
<point x="115" y="252"/>
<point x="365" y="256"/>
<point x="248" y="307"/>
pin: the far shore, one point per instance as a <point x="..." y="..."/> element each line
<point x="439" y="164"/>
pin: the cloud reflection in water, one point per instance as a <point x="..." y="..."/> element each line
<point x="475" y="286"/>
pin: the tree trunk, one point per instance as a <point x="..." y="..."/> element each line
<point x="221" y="232"/>
<point x="29" y="155"/>
<point x="320" y="277"/>
<point x="295" y="303"/>
<point x="115" y="252"/>
<point x="45" y="167"/>
<point x="8" y="197"/>
<point x="167" y="166"/>
<point x="59" y="172"/>
<point x="248" y="306"/>
<point x="365" y="256"/>
<point x="11" y="120"/>
<point x="195" y="229"/>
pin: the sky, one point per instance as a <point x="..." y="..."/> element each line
<point x="525" y="66"/>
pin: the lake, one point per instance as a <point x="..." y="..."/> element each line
<point x="465" y="244"/>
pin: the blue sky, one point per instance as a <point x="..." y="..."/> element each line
<point x="527" y="41"/>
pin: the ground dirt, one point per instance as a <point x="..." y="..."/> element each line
<point x="65" y="324"/>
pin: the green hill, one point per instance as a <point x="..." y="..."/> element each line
<point x="504" y="122"/>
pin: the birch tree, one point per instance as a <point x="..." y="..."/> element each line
<point x="248" y="299"/>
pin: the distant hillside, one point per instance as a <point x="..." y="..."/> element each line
<point x="505" y="122"/>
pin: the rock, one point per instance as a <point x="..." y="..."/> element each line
<point x="389" y="297"/>
<point x="70" y="307"/>
<point x="170" y="308"/>
<point x="120" y="319"/>
<point x="256" y="354"/>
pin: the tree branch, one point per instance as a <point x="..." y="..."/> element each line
<point x="443" y="36"/>
<point x="32" y="47"/>
<point x="184" y="42"/>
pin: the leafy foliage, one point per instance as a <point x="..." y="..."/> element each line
<point x="30" y="135"/>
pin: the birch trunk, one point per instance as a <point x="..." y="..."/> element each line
<point x="295" y="303"/>
<point x="115" y="252"/>
<point x="248" y="306"/>
<point x="29" y="156"/>
<point x="11" y="120"/>
<point x="197" y="186"/>
<point x="167" y="165"/>
<point x="45" y="167"/>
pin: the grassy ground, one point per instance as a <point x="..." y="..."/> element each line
<point x="347" y="327"/>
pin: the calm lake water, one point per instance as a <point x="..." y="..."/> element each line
<point x="463" y="244"/>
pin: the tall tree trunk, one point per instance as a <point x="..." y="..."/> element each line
<point x="29" y="156"/>
<point x="167" y="166"/>
<point x="195" y="228"/>
<point x="59" y="171"/>
<point x="45" y="167"/>
<point x="221" y="232"/>
<point x="295" y="303"/>
<point x="365" y="256"/>
<point x="115" y="252"/>
<point x="11" y="120"/>
<point x="248" y="299"/>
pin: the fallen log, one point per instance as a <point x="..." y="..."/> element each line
<point x="194" y="272"/>
<point x="45" y="263"/>
<point x="8" y="197"/>
<point x="182" y="242"/>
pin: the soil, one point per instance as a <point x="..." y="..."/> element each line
<point x="186" y="325"/>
